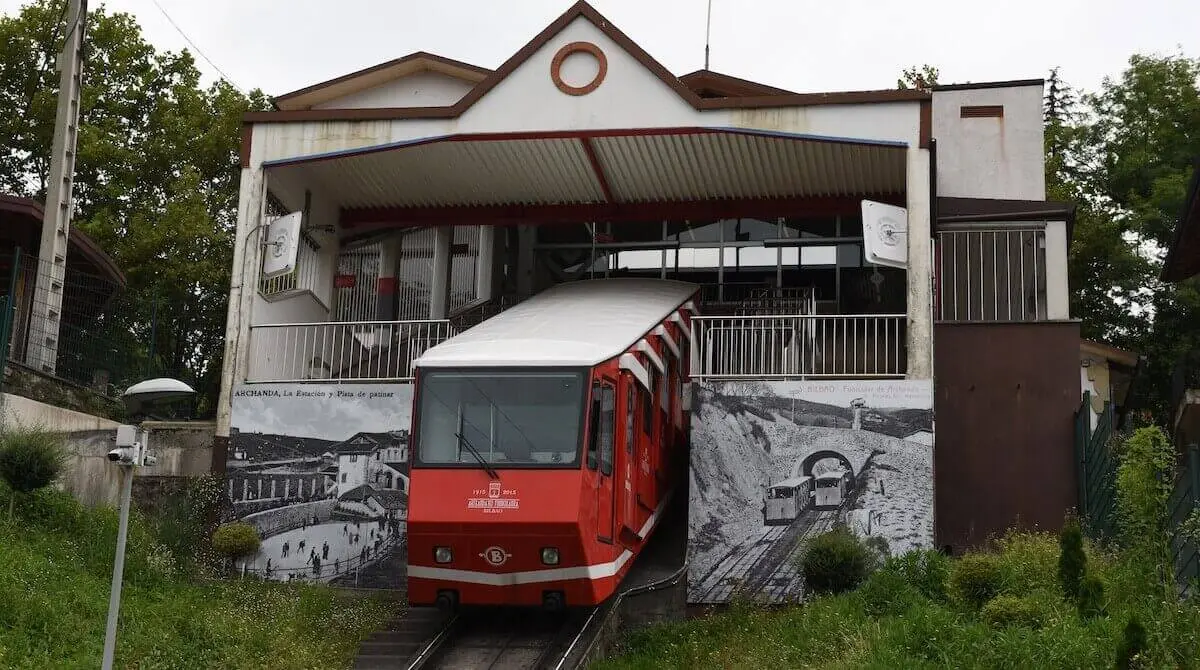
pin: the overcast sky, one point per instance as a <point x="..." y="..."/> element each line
<point x="802" y="45"/>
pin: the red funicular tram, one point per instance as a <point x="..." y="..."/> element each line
<point x="543" y="444"/>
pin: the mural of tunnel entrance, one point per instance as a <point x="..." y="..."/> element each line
<point x="776" y="463"/>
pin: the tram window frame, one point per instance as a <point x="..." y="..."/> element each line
<point x="664" y="388"/>
<point x="593" y="459"/>
<point x="648" y="397"/>
<point x="606" y="427"/>
<point x="629" y="413"/>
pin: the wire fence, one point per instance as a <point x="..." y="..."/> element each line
<point x="70" y="321"/>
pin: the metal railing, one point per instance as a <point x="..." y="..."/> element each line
<point x="359" y="351"/>
<point x="996" y="273"/>
<point x="757" y="298"/>
<point x="307" y="276"/>
<point x="799" y="346"/>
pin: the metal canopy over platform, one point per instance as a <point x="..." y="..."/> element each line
<point x="402" y="182"/>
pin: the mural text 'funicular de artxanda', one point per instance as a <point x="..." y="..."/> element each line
<point x="386" y="212"/>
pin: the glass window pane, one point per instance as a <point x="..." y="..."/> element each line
<point x="509" y="417"/>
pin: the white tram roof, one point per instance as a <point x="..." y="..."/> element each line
<point x="578" y="323"/>
<point x="831" y="474"/>
<point x="791" y="482"/>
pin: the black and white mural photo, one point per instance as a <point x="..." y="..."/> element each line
<point x="776" y="463"/>
<point x="321" y="470"/>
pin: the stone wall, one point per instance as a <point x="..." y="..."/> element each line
<point x="22" y="381"/>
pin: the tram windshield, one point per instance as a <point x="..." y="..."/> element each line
<point x="508" y="418"/>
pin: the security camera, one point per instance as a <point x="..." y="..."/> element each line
<point x="123" y="455"/>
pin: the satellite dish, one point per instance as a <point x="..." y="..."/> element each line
<point x="885" y="234"/>
<point x="281" y="245"/>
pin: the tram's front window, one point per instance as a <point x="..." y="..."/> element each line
<point x="522" y="418"/>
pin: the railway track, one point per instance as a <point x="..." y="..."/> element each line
<point x="515" y="639"/>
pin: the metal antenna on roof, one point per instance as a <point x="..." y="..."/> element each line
<point x="707" y="34"/>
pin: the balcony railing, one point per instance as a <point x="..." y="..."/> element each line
<point x="358" y="351"/>
<point x="799" y="346"/>
<point x="992" y="274"/>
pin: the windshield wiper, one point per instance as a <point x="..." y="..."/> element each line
<point x="479" y="457"/>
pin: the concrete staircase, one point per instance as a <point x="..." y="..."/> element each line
<point x="395" y="645"/>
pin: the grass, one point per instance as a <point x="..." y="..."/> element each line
<point x="1032" y="625"/>
<point x="55" y="573"/>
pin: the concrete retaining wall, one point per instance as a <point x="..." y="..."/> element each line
<point x="183" y="448"/>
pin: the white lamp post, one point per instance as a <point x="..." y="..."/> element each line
<point x="130" y="453"/>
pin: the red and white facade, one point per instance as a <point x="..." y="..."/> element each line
<point x="437" y="194"/>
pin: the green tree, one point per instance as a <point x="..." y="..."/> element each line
<point x="156" y="179"/>
<point x="30" y="459"/>
<point x="1124" y="155"/>
<point x="921" y="78"/>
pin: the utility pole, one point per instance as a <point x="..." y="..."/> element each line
<point x="56" y="225"/>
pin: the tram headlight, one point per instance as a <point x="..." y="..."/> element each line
<point x="443" y="554"/>
<point x="550" y="555"/>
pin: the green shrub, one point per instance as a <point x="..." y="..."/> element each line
<point x="1072" y="562"/>
<point x="1133" y="644"/>
<point x="236" y="540"/>
<point x="976" y="579"/>
<point x="836" y="561"/>
<point x="925" y="569"/>
<point x="30" y="459"/>
<point x="1091" y="597"/>
<point x="1145" y="479"/>
<point x="888" y="593"/>
<point x="1007" y="610"/>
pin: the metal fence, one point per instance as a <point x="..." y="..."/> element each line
<point x="62" y="321"/>
<point x="1096" y="469"/>
<point x="1184" y="498"/>
<point x="361" y="351"/>
<point x="799" y="346"/>
<point x="992" y="274"/>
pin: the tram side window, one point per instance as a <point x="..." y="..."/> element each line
<point x="664" y="387"/>
<point x="594" y="427"/>
<point x="606" y="427"/>
<point x="629" y="418"/>
<point x="648" y="403"/>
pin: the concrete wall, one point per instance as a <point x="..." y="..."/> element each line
<point x="182" y="448"/>
<point x="990" y="156"/>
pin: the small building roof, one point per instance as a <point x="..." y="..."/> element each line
<point x="578" y="323"/>
<point x="21" y="219"/>
<point x="790" y="482"/>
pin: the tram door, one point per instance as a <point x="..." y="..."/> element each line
<point x="626" y="466"/>
<point x="604" y="431"/>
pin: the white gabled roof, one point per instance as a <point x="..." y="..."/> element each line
<point x="578" y="323"/>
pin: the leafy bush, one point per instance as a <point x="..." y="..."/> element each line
<point x="236" y="540"/>
<point x="1072" y="562"/>
<point x="976" y="579"/>
<point x="836" y="561"/>
<point x="1091" y="597"/>
<point x="925" y="569"/>
<point x="888" y="593"/>
<point x="1145" y="478"/>
<point x="30" y="459"/>
<point x="1133" y="644"/>
<point x="1007" y="610"/>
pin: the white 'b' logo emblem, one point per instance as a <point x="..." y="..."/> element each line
<point x="495" y="556"/>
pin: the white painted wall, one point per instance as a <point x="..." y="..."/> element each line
<point x="420" y="89"/>
<point x="990" y="157"/>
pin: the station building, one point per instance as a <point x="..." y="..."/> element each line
<point x="434" y="194"/>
